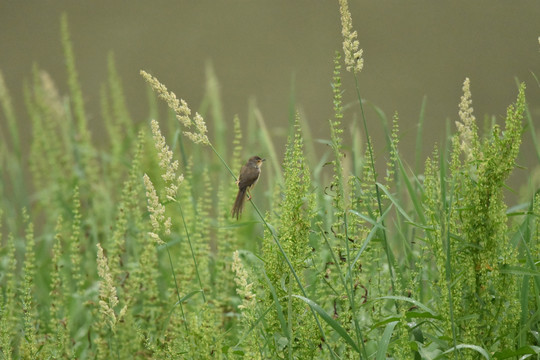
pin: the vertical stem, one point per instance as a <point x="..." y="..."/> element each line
<point x="445" y="231"/>
<point x="177" y="289"/>
<point x="192" y="252"/>
<point x="387" y="249"/>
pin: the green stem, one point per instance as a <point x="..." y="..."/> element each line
<point x="192" y="251"/>
<point x="387" y="249"/>
<point x="359" y="336"/>
<point x="350" y="285"/>
<point x="177" y="289"/>
<point x="223" y="162"/>
<point x="446" y="231"/>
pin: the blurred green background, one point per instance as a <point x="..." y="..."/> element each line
<point x="276" y="51"/>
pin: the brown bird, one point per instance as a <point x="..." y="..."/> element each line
<point x="249" y="174"/>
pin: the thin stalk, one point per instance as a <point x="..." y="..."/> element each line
<point x="419" y="136"/>
<point x="192" y="252"/>
<point x="349" y="286"/>
<point x="223" y="162"/>
<point x="117" y="347"/>
<point x="351" y="281"/>
<point x="289" y="318"/>
<point x="387" y="249"/>
<point x="177" y="289"/>
<point x="445" y="230"/>
<point x="349" y="295"/>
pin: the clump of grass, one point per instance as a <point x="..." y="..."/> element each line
<point x="469" y="220"/>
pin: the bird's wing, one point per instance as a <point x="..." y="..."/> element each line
<point x="250" y="175"/>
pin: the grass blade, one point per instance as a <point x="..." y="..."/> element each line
<point x="476" y="348"/>
<point x="385" y="340"/>
<point x="330" y="321"/>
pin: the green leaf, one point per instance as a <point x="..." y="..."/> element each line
<point x="518" y="270"/>
<point x="255" y="324"/>
<point x="279" y="309"/>
<point x="330" y="321"/>
<point x="385" y="340"/>
<point x="368" y="219"/>
<point x="412" y="301"/>
<point x="395" y="202"/>
<point x="510" y="353"/>
<point x="378" y="225"/>
<point x="281" y="341"/>
<point x="476" y="348"/>
<point x="430" y="351"/>
<point x="182" y="300"/>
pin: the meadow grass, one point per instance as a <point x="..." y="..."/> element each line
<point x="128" y="250"/>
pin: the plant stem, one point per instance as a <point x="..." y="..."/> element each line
<point x="192" y="252"/>
<point x="387" y="249"/>
<point x="177" y="288"/>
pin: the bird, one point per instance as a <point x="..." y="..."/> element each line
<point x="249" y="174"/>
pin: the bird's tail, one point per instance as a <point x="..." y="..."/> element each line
<point x="239" y="203"/>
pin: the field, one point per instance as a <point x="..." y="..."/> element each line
<point x="126" y="249"/>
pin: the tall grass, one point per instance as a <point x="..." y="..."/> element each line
<point x="128" y="250"/>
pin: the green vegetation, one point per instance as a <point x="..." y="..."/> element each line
<point x="128" y="250"/>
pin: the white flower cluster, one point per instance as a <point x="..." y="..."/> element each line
<point x="353" y="55"/>
<point x="182" y="111"/>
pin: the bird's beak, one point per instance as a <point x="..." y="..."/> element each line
<point x="263" y="160"/>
